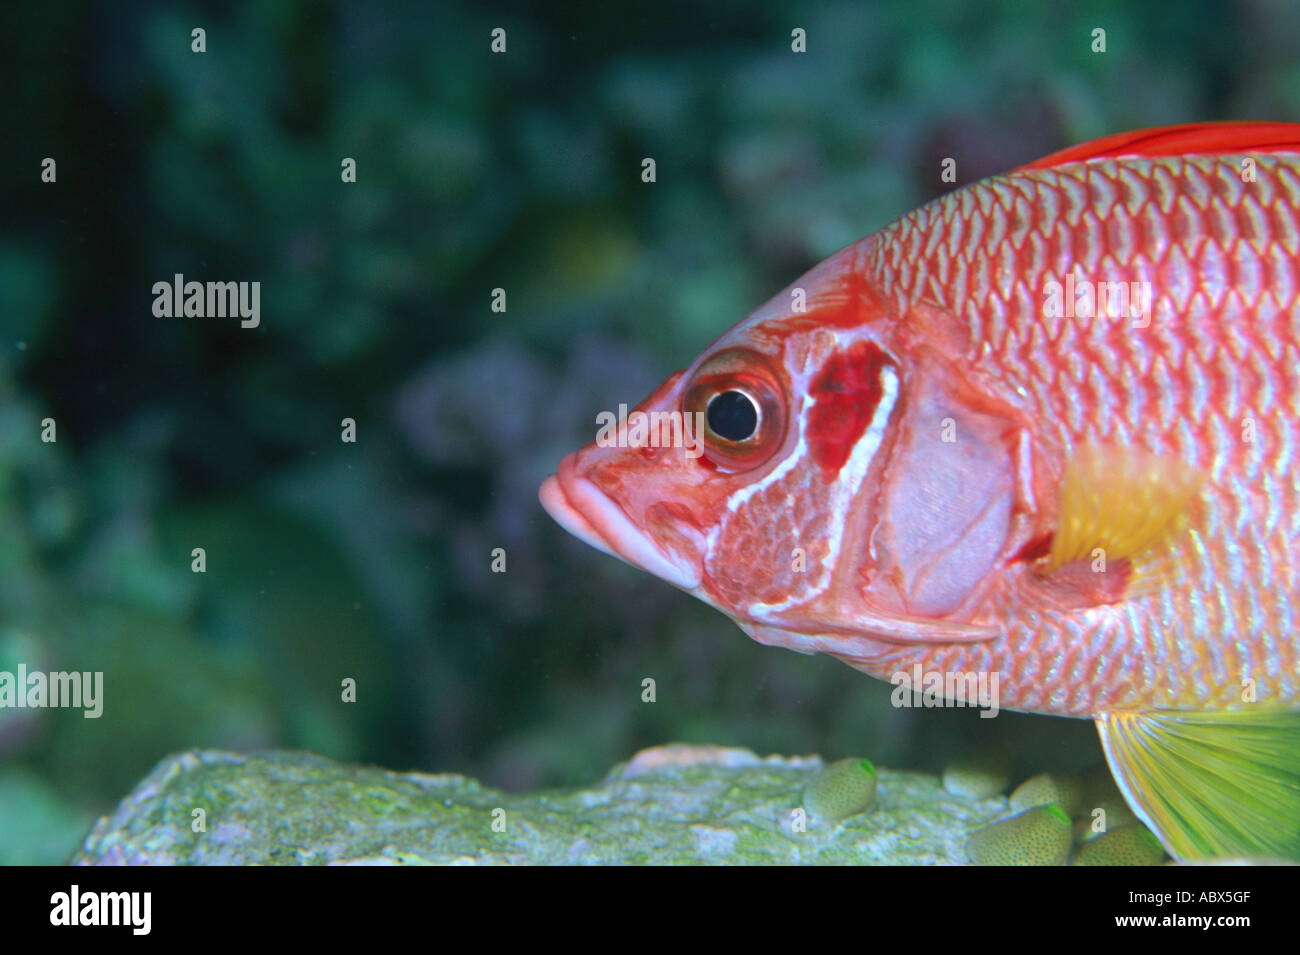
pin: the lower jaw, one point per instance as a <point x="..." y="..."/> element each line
<point x="588" y="514"/>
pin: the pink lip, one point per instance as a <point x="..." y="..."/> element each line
<point x="590" y="515"/>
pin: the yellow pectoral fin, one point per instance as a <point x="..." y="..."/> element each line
<point x="1211" y="784"/>
<point x="1118" y="513"/>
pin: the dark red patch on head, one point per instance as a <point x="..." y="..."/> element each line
<point x="845" y="394"/>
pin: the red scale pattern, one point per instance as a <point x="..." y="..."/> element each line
<point x="1221" y="354"/>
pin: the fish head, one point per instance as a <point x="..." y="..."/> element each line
<point x="840" y="482"/>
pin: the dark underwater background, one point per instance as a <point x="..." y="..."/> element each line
<point x="372" y="560"/>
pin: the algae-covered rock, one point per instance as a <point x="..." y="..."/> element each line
<point x="1128" y="845"/>
<point x="1103" y="807"/>
<point x="1049" y="789"/>
<point x="1038" y="836"/>
<point x="672" y="804"/>
<point x="843" y="789"/>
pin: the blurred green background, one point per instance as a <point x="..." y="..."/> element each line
<point x="371" y="560"/>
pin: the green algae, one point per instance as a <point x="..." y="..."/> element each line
<point x="1103" y="807"/>
<point x="1037" y="836"/>
<point x="674" y="805"/>
<point x="843" y="789"/>
<point x="1127" y="845"/>
<point x="1049" y="789"/>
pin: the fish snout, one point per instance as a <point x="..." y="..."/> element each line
<point x="592" y="516"/>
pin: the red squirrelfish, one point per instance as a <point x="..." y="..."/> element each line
<point x="1043" y="427"/>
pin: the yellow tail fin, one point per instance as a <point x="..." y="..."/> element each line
<point x="1211" y="784"/>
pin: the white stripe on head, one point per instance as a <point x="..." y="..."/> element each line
<point x="847" y="483"/>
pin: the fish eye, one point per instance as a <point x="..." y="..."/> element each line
<point x="732" y="415"/>
<point x="741" y="407"/>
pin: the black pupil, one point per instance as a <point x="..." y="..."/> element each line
<point x="732" y="416"/>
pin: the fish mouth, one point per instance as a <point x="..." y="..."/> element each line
<point x="594" y="518"/>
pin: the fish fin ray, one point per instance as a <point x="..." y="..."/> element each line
<point x="1211" y="784"/>
<point x="1128" y="503"/>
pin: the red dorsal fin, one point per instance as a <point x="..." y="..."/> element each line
<point x="1187" y="139"/>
